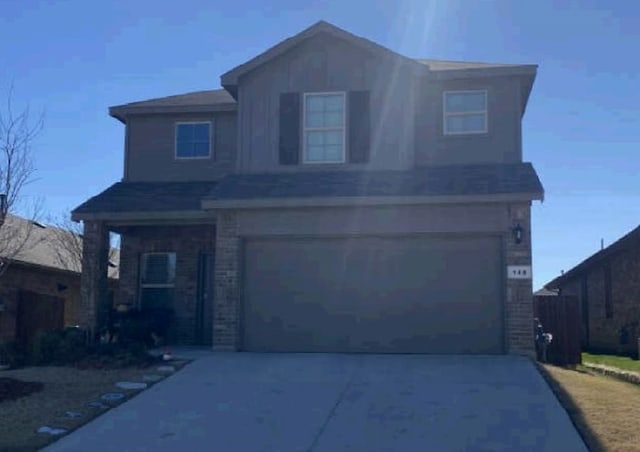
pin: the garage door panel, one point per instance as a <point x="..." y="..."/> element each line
<point x="410" y="294"/>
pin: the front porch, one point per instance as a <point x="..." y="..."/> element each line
<point x="165" y="267"/>
<point x="167" y="255"/>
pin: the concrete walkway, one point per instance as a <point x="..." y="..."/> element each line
<point x="322" y="402"/>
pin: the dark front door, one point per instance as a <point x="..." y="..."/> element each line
<point x="204" y="305"/>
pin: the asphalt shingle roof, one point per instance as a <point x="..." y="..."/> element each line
<point x="148" y="197"/>
<point x="629" y="241"/>
<point x="222" y="97"/>
<point x="196" y="98"/>
<point x="41" y="245"/>
<point x="486" y="179"/>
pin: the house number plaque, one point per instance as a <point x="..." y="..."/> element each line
<point x="519" y="272"/>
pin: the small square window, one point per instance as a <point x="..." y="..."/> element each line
<point x="193" y="140"/>
<point x="465" y="112"/>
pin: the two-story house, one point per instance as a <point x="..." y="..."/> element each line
<point x="333" y="196"/>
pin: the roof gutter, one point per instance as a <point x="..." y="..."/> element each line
<point x="121" y="112"/>
<point x="353" y="201"/>
<point x="141" y="216"/>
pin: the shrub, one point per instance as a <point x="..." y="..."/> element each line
<point x="59" y="347"/>
<point x="69" y="346"/>
<point x="12" y="354"/>
<point x="137" y="326"/>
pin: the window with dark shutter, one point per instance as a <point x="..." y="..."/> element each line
<point x="289" y="128"/>
<point x="324" y="127"/>
<point x="359" y="127"/>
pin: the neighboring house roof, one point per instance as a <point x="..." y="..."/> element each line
<point x="628" y="241"/>
<point x="443" y="181"/>
<point x="165" y="197"/>
<point x="544" y="292"/>
<point x="41" y="246"/>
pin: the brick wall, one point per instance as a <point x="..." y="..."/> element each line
<point x="94" y="301"/>
<point x="227" y="308"/>
<point x="187" y="242"/>
<point x="518" y="303"/>
<point x="604" y="333"/>
<point x="519" y="296"/>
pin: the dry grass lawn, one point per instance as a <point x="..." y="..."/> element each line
<point x="65" y="389"/>
<point x="605" y="410"/>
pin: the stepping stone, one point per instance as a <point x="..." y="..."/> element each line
<point x="112" y="396"/>
<point x="98" y="405"/>
<point x="152" y="378"/>
<point x="131" y="385"/>
<point x="166" y="369"/>
<point x="73" y="414"/>
<point x="51" y="431"/>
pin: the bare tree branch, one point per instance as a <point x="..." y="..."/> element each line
<point x="67" y="242"/>
<point x="18" y="131"/>
<point x="67" y="246"/>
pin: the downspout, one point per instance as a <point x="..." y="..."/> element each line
<point x="125" y="176"/>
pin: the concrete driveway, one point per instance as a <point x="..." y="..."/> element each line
<point x="323" y="402"/>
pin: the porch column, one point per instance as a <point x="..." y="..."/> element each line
<point x="226" y="309"/>
<point x="519" y="302"/>
<point x="94" y="306"/>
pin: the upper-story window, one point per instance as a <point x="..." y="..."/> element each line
<point x="324" y="127"/>
<point x="465" y="112"/>
<point x="193" y="140"/>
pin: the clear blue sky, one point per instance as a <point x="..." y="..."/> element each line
<point x="582" y="127"/>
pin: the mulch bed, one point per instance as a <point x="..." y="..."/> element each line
<point x="11" y="389"/>
<point x="102" y="362"/>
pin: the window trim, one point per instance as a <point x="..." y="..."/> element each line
<point x="175" y="139"/>
<point x="156" y="286"/>
<point x="485" y="112"/>
<point x="305" y="128"/>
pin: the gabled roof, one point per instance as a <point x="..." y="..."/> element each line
<point x="444" y="182"/>
<point x="229" y="80"/>
<point x="40" y="245"/>
<point x="220" y="100"/>
<point x="194" y="102"/>
<point x="628" y="241"/>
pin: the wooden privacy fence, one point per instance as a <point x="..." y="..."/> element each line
<point x="560" y="316"/>
<point x="37" y="313"/>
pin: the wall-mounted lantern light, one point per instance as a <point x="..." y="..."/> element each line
<point x="518" y="233"/>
